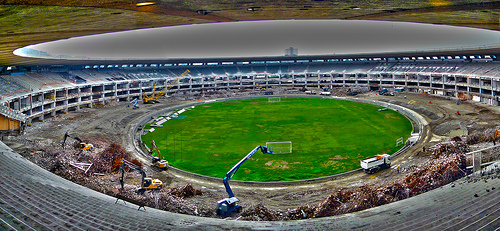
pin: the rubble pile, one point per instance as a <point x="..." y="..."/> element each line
<point x="345" y="91"/>
<point x="110" y="159"/>
<point x="259" y="213"/>
<point x="98" y="170"/>
<point x="453" y="145"/>
<point x="427" y="177"/>
<point x="431" y="175"/>
<point x="168" y="200"/>
<point x="185" y="191"/>
<point x="82" y="166"/>
<point x="302" y="212"/>
<point x="469" y="143"/>
<point x="486" y="136"/>
<point x="435" y="174"/>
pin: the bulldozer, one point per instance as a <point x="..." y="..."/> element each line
<point x="81" y="145"/>
<point x="157" y="161"/>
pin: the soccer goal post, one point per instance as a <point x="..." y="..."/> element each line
<point x="280" y="147"/>
<point x="399" y="141"/>
<point x="274" y="99"/>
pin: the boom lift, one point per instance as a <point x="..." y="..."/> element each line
<point x="153" y="98"/>
<point x="81" y="146"/>
<point x="228" y="205"/>
<point x="134" y="102"/>
<point x="147" y="183"/>
<point x="157" y="161"/>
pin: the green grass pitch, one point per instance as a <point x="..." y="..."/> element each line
<point x="329" y="137"/>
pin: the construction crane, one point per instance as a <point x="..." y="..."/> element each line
<point x="228" y="205"/>
<point x="134" y="102"/>
<point x="153" y="98"/>
<point x="81" y="146"/>
<point x="157" y="161"/>
<point x="147" y="183"/>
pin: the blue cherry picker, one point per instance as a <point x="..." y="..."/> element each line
<point x="228" y="205"/>
<point x="134" y="102"/>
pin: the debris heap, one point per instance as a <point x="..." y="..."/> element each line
<point x="427" y="177"/>
<point x="448" y="165"/>
<point x="173" y="200"/>
<point x="258" y="213"/>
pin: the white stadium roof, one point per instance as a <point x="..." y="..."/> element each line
<point x="266" y="39"/>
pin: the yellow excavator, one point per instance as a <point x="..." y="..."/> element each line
<point x="81" y="146"/>
<point x="153" y="98"/>
<point x="157" y="161"/>
<point x="147" y="183"/>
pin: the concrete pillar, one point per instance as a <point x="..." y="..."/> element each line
<point x="79" y="99"/>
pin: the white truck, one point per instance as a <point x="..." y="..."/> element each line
<point x="374" y="164"/>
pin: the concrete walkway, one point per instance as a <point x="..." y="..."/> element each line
<point x="32" y="198"/>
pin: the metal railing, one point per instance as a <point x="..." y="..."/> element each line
<point x="476" y="160"/>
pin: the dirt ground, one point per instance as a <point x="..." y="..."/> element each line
<point x="114" y="122"/>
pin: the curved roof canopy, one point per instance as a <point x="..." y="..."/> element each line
<point x="266" y="39"/>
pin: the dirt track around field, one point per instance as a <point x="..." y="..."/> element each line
<point x="114" y="122"/>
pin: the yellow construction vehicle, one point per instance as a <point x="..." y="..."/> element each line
<point x="153" y="98"/>
<point x="147" y="183"/>
<point x="260" y="88"/>
<point x="81" y="146"/>
<point x="157" y="161"/>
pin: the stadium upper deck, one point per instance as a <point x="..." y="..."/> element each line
<point x="47" y="90"/>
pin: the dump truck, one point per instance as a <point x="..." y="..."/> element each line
<point x="374" y="164"/>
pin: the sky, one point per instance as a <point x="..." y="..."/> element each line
<point x="265" y="39"/>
